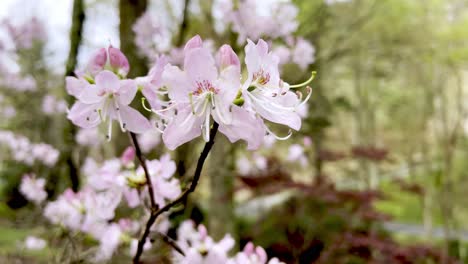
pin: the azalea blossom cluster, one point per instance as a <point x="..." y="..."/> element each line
<point x="207" y="88"/>
<point x="24" y="35"/>
<point x="117" y="183"/>
<point x="110" y="185"/>
<point x="51" y="105"/>
<point x="273" y="20"/>
<point x="33" y="188"/>
<point x="23" y="150"/>
<point x="255" y="19"/>
<point x="16" y="82"/>
<point x="200" y="248"/>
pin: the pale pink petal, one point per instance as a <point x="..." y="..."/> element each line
<point x="279" y="110"/>
<point x="200" y="65"/>
<point x="75" y="85"/>
<point x="183" y="128"/>
<point x="152" y="97"/>
<point x="127" y="91"/>
<point x="90" y="95"/>
<point x="84" y="115"/>
<point x="252" y="57"/>
<point x="107" y="81"/>
<point x="132" y="198"/>
<point x="133" y="121"/>
<point x="195" y="42"/>
<point x="178" y="84"/>
<point x="155" y="74"/>
<point x="229" y="84"/>
<point x="245" y="126"/>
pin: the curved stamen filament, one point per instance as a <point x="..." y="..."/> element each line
<point x="278" y="137"/>
<point x="143" y="103"/>
<point x="312" y="77"/>
<point x="309" y="94"/>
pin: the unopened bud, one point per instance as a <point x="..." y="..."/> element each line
<point x="227" y="57"/>
<point x="118" y="61"/>
<point x="98" y="61"/>
<point x="195" y="42"/>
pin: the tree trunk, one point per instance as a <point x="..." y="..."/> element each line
<point x="222" y="173"/>
<point x="78" y="17"/>
<point x="130" y="11"/>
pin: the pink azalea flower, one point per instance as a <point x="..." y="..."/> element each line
<point x="109" y="242"/>
<point x="149" y="140"/>
<point x="296" y="154"/>
<point x="202" y="91"/>
<point x="33" y="188"/>
<point x="128" y="156"/>
<point x="88" y="137"/>
<point x="161" y="171"/>
<point x="265" y="92"/>
<point x="152" y="84"/>
<point x="303" y="53"/>
<point x="201" y="248"/>
<point x="252" y="255"/>
<point x="108" y="98"/>
<point x="66" y="210"/>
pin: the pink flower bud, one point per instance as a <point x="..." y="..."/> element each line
<point x="262" y="255"/>
<point x="128" y="156"/>
<point x="227" y="57"/>
<point x="98" y="61"/>
<point x="118" y="61"/>
<point x="195" y="42"/>
<point x="307" y="141"/>
<point x="249" y="249"/>
<point x="203" y="232"/>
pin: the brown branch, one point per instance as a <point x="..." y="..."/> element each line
<point x="183" y="25"/>
<point x="142" y="160"/>
<point x="182" y="197"/>
<point x="170" y="242"/>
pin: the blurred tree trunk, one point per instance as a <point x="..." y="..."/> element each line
<point x="78" y="17"/>
<point x="222" y="173"/>
<point x="130" y="11"/>
<point x="181" y="155"/>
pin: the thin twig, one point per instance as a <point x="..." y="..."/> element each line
<point x="171" y="243"/>
<point x="182" y="197"/>
<point x="183" y="24"/>
<point x="142" y="160"/>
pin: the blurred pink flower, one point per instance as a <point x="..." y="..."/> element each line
<point x="303" y="53"/>
<point x="201" y="248"/>
<point x="33" y="188"/>
<point x="128" y="156"/>
<point x="252" y="255"/>
<point x="161" y="171"/>
<point x="108" y="243"/>
<point x="34" y="243"/>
